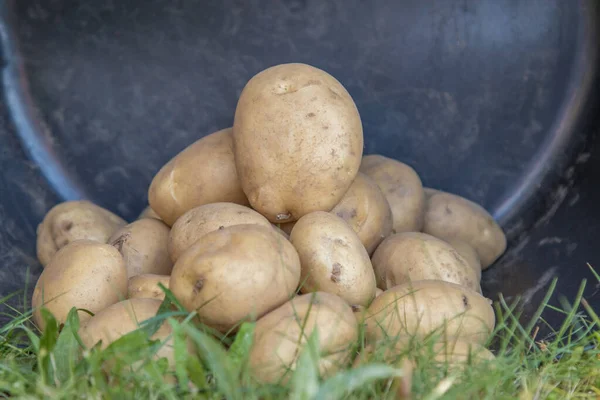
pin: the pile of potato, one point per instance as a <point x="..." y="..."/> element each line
<point x="279" y="219"/>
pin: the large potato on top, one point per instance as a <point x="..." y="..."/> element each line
<point x="236" y="273"/>
<point x="199" y="221"/>
<point x="298" y="141"/>
<point x="83" y="274"/>
<point x="415" y="256"/>
<point x="402" y="188"/>
<point x="449" y="216"/>
<point x="333" y="259"/>
<point x="146" y="286"/>
<point x="202" y="173"/>
<point x="143" y="245"/>
<point x="280" y="336"/>
<point x="74" y="220"/>
<point x="423" y="307"/>
<point x="366" y="210"/>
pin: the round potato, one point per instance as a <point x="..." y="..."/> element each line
<point x="236" y="273"/>
<point x="423" y="307"/>
<point x="333" y="258"/>
<point x="280" y="336"/>
<point x="202" y="173"/>
<point x="199" y="221"/>
<point x="468" y="253"/>
<point x="402" y="188"/>
<point x="449" y="216"/>
<point x="148" y="212"/>
<point x="366" y="210"/>
<point x="84" y="274"/>
<point x="74" y="220"/>
<point x="298" y="141"/>
<point x="146" y="286"/>
<point x="144" y="247"/>
<point x="415" y="256"/>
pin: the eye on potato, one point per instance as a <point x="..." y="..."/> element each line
<point x="414" y="256"/>
<point x="333" y="259"/>
<point x="298" y="141"/>
<point x="144" y="247"/>
<point x="199" y="221"/>
<point x="402" y="188"/>
<point x="366" y="210"/>
<point x="423" y="307"/>
<point x="236" y="273"/>
<point x="74" y="220"/>
<point x="146" y="286"/>
<point x="280" y="336"/>
<point x="449" y="216"/>
<point x="83" y="274"/>
<point x="202" y="173"/>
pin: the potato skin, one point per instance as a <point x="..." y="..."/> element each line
<point x="298" y="141"/>
<point x="74" y="220"/>
<point x="422" y="307"/>
<point x="144" y="247"/>
<point x="148" y="212"/>
<point x="236" y="273"/>
<point x="449" y="216"/>
<point x="468" y="253"/>
<point x="414" y="256"/>
<point x="366" y="210"/>
<point x="83" y="274"/>
<point x="278" y="338"/>
<point x="146" y="286"/>
<point x="199" y="221"/>
<point x="402" y="188"/>
<point x="333" y="259"/>
<point x="203" y="173"/>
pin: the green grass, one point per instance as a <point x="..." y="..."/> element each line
<point x="53" y="364"/>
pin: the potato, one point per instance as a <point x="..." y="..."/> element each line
<point x="333" y="259"/>
<point x="402" y="188"/>
<point x="298" y="141"/>
<point x="449" y="216"/>
<point x="236" y="273"/>
<point x="415" y="256"/>
<point x="83" y="274"/>
<point x="143" y="245"/>
<point x="422" y="307"/>
<point x="203" y="173"/>
<point x="366" y="210"/>
<point x="74" y="220"/>
<point x="148" y="212"/>
<point x="468" y="253"/>
<point x="146" y="286"/>
<point x="280" y="336"/>
<point x="199" y="221"/>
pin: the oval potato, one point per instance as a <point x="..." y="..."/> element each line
<point x="74" y="220"/>
<point x="146" y="286"/>
<point x="236" y="273"/>
<point x="402" y="188"/>
<point x="298" y="141"/>
<point x="280" y="336"/>
<point x="333" y="258"/>
<point x="83" y="274"/>
<point x="199" y="221"/>
<point x="203" y="173"/>
<point x="366" y="210"/>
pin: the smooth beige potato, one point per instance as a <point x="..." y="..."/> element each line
<point x="236" y="273"/>
<point x="280" y="336"/>
<point x="203" y="173"/>
<point x="468" y="253"/>
<point x="298" y="141"/>
<point x="423" y="307"/>
<point x="74" y="220"/>
<point x="146" y="286"/>
<point x="83" y="274"/>
<point x="199" y="221"/>
<point x="415" y="256"/>
<point x="148" y="212"/>
<point x="402" y="188"/>
<point x="144" y="247"/>
<point x="449" y="216"/>
<point x="366" y="210"/>
<point x="333" y="258"/>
